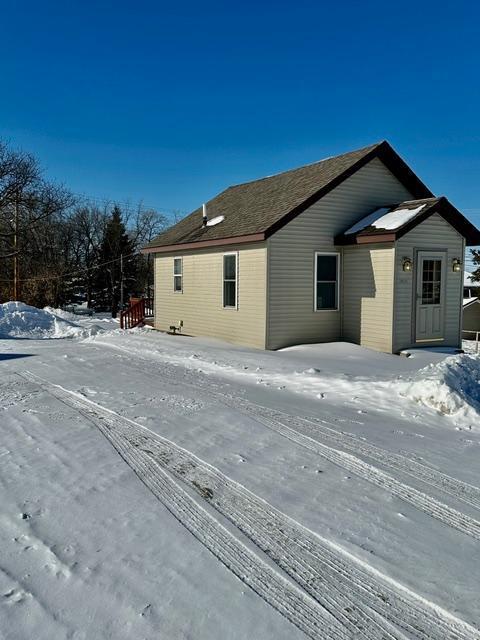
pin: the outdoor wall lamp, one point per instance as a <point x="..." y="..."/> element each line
<point x="407" y="264"/>
<point x="457" y="264"/>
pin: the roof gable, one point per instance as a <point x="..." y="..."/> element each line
<point x="253" y="211"/>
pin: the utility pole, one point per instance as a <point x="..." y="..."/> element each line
<point x="121" y="282"/>
<point x="149" y="269"/>
<point x="15" y="247"/>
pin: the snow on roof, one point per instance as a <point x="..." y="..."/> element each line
<point x="214" y="221"/>
<point x="467" y="280"/>
<point x="367" y="221"/>
<point x="386" y="219"/>
<point x="467" y="301"/>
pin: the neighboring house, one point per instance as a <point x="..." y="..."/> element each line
<point x="471" y="289"/>
<point x="352" y="248"/>
<point x="471" y="316"/>
<point x="471" y="306"/>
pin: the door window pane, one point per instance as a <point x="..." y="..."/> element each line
<point x="431" y="281"/>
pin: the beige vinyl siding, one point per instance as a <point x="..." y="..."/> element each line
<point x="200" y="305"/>
<point x="368" y="295"/>
<point x="291" y="318"/>
<point x="434" y="234"/>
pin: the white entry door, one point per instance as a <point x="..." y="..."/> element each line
<point x="430" y="296"/>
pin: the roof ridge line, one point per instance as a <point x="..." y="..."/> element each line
<point x="421" y="199"/>
<point x="367" y="149"/>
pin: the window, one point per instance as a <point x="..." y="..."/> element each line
<point x="326" y="281"/>
<point x="178" y="275"/>
<point x="230" y="280"/>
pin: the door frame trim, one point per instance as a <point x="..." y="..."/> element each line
<point x="416" y="252"/>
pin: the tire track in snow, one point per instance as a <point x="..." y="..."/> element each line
<point x="318" y="431"/>
<point x="295" y="605"/>
<point x="366" y="606"/>
<point x="300" y="554"/>
<point x="418" y="499"/>
<point x="422" y="501"/>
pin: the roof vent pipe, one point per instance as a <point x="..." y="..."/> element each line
<point x="204" y="215"/>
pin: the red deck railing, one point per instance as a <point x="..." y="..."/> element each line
<point x="139" y="309"/>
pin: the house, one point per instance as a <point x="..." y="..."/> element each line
<point x="471" y="289"/>
<point x="471" y="317"/>
<point x="354" y="248"/>
<point x="471" y="306"/>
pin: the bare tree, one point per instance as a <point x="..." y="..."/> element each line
<point x="87" y="224"/>
<point x="50" y="242"/>
<point x="27" y="203"/>
<point x="148" y="224"/>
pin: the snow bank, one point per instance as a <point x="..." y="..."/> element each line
<point x="19" y="320"/>
<point x="451" y="387"/>
<point x="60" y="313"/>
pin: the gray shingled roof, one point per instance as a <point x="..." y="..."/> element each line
<point x="255" y="210"/>
<point x="254" y="207"/>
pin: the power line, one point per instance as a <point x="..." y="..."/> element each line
<point x="128" y="257"/>
<point x="85" y="196"/>
<point x="72" y="273"/>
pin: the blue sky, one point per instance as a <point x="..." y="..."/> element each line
<point x="171" y="102"/>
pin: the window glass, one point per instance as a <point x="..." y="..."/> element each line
<point x="326" y="295"/>
<point x="178" y="274"/>
<point x="230" y="280"/>
<point x="326" y="286"/>
<point x="229" y="293"/>
<point x="326" y="268"/>
<point x="229" y="267"/>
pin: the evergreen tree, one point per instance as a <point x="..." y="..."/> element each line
<point x="110" y="278"/>
<point x="476" y="262"/>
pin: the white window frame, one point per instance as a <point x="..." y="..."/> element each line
<point x="337" y="282"/>
<point x="178" y="275"/>
<point x="230" y="253"/>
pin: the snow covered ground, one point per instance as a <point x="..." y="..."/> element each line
<point x="157" y="486"/>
